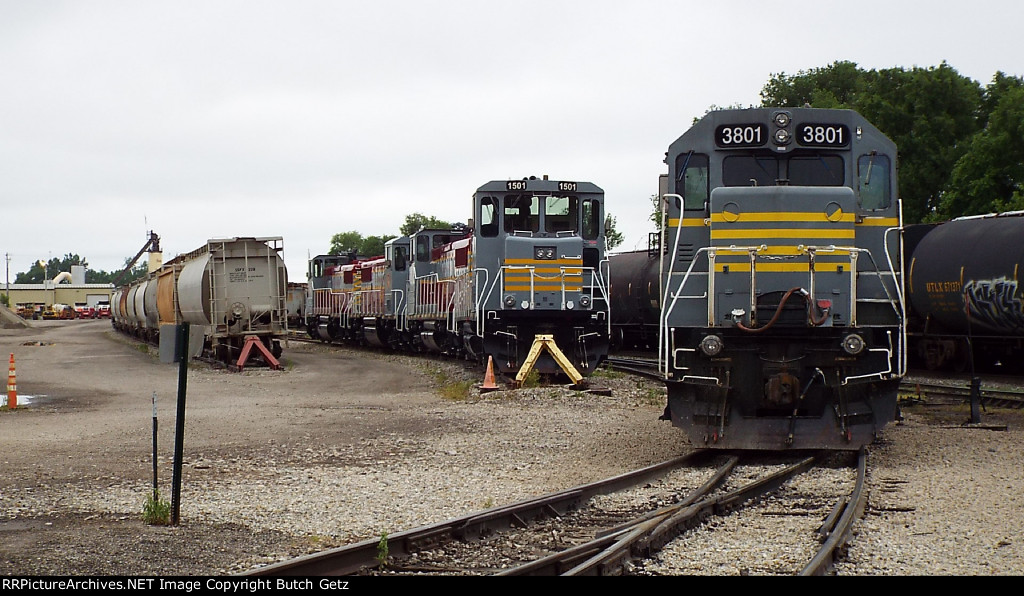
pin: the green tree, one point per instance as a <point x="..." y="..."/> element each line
<point x="930" y="113"/>
<point x="989" y="177"/>
<point x="345" y="242"/>
<point x="41" y="270"/>
<point x="833" y="86"/>
<point x="415" y="221"/>
<point x="369" y="246"/>
<point x="374" y="245"/>
<point x="139" y="271"/>
<point x="613" y="236"/>
<point x="656" y="213"/>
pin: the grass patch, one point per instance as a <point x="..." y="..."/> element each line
<point x="654" y="396"/>
<point x="156" y="511"/>
<point x="382" y="550"/>
<point x="448" y="386"/>
<point x="456" y="390"/>
<point x="607" y="373"/>
<point x="532" y="379"/>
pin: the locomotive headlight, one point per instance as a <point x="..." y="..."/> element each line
<point x="546" y="253"/>
<point x="569" y="304"/>
<point x="525" y="304"/>
<point x="782" y="136"/>
<point x="585" y="301"/>
<point x="711" y="345"/>
<point x="853" y="344"/>
<point x="509" y="300"/>
<point x="781" y="119"/>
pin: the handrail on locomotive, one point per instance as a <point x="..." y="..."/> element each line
<point x="665" y="338"/>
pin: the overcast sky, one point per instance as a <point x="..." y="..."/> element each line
<point x="301" y="119"/>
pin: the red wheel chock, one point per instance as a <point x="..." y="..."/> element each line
<point x="253" y="341"/>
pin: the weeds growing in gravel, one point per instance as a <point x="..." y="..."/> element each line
<point x="608" y="373"/>
<point x="382" y="550"/>
<point x="532" y="379"/>
<point x="156" y="511"/>
<point x="456" y="390"/>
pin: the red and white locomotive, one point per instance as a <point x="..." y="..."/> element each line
<point x="531" y="264"/>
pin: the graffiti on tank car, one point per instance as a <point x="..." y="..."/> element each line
<point x="994" y="303"/>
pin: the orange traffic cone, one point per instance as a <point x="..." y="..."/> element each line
<point x="489" y="384"/>
<point x="12" y="387"/>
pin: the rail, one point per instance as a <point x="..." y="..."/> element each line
<point x="353" y="558"/>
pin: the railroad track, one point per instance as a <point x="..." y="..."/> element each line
<point x="604" y="528"/>
<point x="936" y="393"/>
<point x="644" y="367"/>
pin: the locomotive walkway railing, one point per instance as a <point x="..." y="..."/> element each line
<point x="666" y="350"/>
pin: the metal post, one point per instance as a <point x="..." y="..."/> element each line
<point x="179" y="427"/>
<point x="975" y="400"/>
<point x="156" y="494"/>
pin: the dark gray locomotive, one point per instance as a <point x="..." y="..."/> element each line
<point x="781" y="316"/>
<point x="531" y="264"/>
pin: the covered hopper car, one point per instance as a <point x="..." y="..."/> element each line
<point x="233" y="289"/>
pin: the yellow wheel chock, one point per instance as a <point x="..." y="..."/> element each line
<point x="541" y="342"/>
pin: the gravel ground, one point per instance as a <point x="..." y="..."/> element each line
<point x="342" y="446"/>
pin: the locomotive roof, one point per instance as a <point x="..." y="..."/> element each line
<point x="704" y="128"/>
<point x="534" y="184"/>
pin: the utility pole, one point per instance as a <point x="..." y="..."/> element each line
<point x="7" y="257"/>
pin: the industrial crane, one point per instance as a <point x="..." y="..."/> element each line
<point x="151" y="245"/>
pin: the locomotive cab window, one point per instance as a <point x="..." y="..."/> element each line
<point x="399" y="256"/>
<point x="816" y="170"/>
<point x="873" y="183"/>
<point x="750" y="170"/>
<point x="692" y="180"/>
<point x="488" y="217"/>
<point x="423" y="248"/>
<point x="591" y="219"/>
<point x="521" y="213"/>
<point x="560" y="214"/>
<point x="812" y="169"/>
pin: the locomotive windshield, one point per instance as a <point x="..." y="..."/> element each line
<point x="768" y="170"/>
<point x="591" y="219"/>
<point x="533" y="213"/>
<point x="693" y="183"/>
<point x="560" y="214"/>
<point x="554" y="214"/>
<point x="873" y="181"/>
<point x="522" y="213"/>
